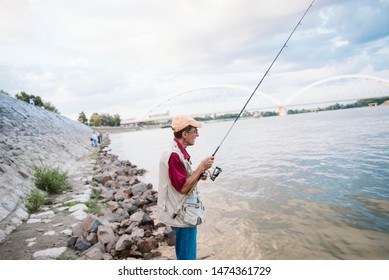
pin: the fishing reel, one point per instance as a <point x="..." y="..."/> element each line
<point x="215" y="173"/>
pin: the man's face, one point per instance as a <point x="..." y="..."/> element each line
<point x="190" y="136"/>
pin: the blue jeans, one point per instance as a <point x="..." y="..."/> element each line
<point x="186" y="243"/>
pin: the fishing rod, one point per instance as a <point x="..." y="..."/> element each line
<point x="260" y="82"/>
<point x="218" y="170"/>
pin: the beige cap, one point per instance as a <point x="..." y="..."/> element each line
<point x="180" y="122"/>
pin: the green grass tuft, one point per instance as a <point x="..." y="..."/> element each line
<point x="35" y="200"/>
<point x="51" y="180"/>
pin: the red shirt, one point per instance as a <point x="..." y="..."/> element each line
<point x="177" y="171"/>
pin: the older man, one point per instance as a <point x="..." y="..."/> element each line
<point x="176" y="180"/>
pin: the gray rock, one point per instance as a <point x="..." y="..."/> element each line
<point x="137" y="217"/>
<point x="139" y="188"/>
<point x="82" y="244"/>
<point x="49" y="253"/>
<point x="96" y="252"/>
<point x="78" y="207"/>
<point x="124" y="242"/>
<point x="105" y="234"/>
<point x="91" y="223"/>
<point x="147" y="245"/>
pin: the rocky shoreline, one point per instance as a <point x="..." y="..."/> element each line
<point x="125" y="228"/>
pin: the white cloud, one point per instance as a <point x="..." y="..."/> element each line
<point x="339" y="42"/>
<point x="121" y="56"/>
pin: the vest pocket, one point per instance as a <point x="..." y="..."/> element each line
<point x="193" y="214"/>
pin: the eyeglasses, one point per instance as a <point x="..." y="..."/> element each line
<point x="195" y="131"/>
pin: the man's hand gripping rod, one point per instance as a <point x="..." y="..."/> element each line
<point x="217" y="169"/>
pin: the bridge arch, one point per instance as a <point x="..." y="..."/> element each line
<point x="300" y="92"/>
<point x="260" y="98"/>
<point x="244" y="90"/>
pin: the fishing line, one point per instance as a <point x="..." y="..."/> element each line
<point x="260" y="82"/>
<point x="217" y="170"/>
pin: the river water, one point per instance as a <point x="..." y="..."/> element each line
<point x="307" y="186"/>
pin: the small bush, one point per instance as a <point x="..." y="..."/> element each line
<point x="93" y="207"/>
<point x="51" y="180"/>
<point x="35" y="201"/>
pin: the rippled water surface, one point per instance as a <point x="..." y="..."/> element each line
<point x="308" y="186"/>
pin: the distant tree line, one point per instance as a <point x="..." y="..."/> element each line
<point x="337" y="106"/>
<point x="115" y="120"/>
<point x="100" y="119"/>
<point x="95" y="120"/>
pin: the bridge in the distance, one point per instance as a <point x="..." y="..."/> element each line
<point x="230" y="99"/>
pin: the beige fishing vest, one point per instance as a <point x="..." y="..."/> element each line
<point x="192" y="212"/>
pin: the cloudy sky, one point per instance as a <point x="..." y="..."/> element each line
<point x="121" y="56"/>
